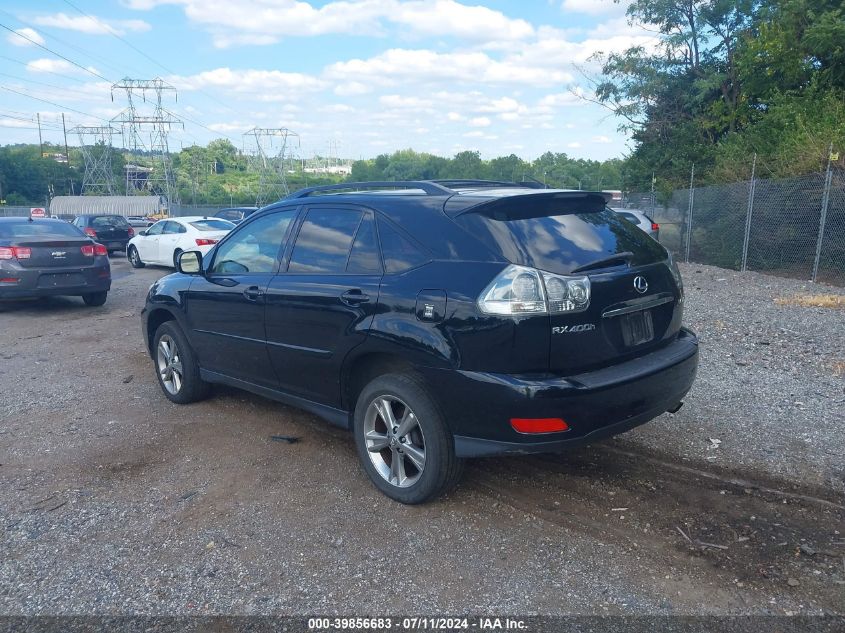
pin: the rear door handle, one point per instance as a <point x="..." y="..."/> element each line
<point x="253" y="293"/>
<point x="354" y="297"/>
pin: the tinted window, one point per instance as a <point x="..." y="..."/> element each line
<point x="156" y="228"/>
<point x="558" y="235"/>
<point x="255" y="247"/>
<point x="364" y="256"/>
<point x="109" y="222"/>
<point x="399" y="253"/>
<point x="229" y="215"/>
<point x="212" y="225"/>
<point x="324" y="241"/>
<point x="628" y="216"/>
<point x="26" y="228"/>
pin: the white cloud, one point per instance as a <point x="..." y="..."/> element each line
<point x="601" y="139"/>
<point x="594" y="7"/>
<point x="48" y="65"/>
<point x="398" y="101"/>
<point x="22" y="37"/>
<point x="474" y="134"/>
<point x="574" y="145"/>
<point x="351" y="88"/>
<point x="91" y="25"/>
<point x="480" y="121"/>
<point x="455" y="116"/>
<point x="6" y="122"/>
<point x="263" y="85"/>
<point x="426" y="66"/>
<point x="267" y="21"/>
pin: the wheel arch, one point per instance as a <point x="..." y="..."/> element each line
<point x="156" y="317"/>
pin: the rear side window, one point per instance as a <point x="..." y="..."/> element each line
<point x="398" y="251"/>
<point x="628" y="216"/>
<point x="324" y="241"/>
<point x="174" y="227"/>
<point x="212" y="225"/>
<point x="364" y="257"/>
<point x="25" y="228"/>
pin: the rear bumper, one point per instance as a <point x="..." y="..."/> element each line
<point x="41" y="282"/>
<point x="595" y="405"/>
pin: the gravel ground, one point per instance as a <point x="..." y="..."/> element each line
<point x="770" y="385"/>
<point x="115" y="501"/>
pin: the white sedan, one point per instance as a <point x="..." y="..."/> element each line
<point x="165" y="240"/>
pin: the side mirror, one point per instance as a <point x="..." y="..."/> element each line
<point x="189" y="263"/>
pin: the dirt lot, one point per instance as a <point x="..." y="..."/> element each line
<point x="113" y="500"/>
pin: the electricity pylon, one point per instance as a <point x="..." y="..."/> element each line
<point x="96" y="145"/>
<point x="270" y="158"/>
<point x="148" y="115"/>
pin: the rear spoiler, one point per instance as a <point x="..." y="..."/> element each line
<point x="537" y="203"/>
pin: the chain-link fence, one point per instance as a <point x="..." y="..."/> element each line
<point x="793" y="227"/>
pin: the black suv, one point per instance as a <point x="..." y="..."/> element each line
<point x="437" y="320"/>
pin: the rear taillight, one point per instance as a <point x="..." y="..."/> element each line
<point x="130" y="232"/>
<point x="539" y="425"/>
<point x="87" y="250"/>
<point x="99" y="249"/>
<point x="655" y="226"/>
<point x="15" y="252"/>
<point x="205" y="242"/>
<point x="523" y="290"/>
<point x="9" y="280"/>
<point x="90" y="232"/>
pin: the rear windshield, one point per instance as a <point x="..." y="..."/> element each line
<point x="560" y="238"/>
<point x="25" y="228"/>
<point x="212" y="225"/>
<point x="109" y="221"/>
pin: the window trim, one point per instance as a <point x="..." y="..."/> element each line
<point x="297" y="216"/>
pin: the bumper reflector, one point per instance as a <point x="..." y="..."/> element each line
<point x="539" y="425"/>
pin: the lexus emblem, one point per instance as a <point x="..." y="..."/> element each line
<point x="640" y="284"/>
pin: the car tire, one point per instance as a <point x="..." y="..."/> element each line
<point x="95" y="299"/>
<point x="134" y="257"/>
<point x="176" y="254"/>
<point x="426" y="440"/>
<point x="176" y="365"/>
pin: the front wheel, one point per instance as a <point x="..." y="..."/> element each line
<point x="176" y="366"/>
<point x="134" y="257"/>
<point x="95" y="299"/>
<point x="403" y="443"/>
<point x="176" y="254"/>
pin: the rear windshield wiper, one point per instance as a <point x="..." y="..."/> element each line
<point x="622" y="258"/>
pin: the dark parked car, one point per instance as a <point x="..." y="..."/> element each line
<point x="112" y="231"/>
<point x="40" y="258"/>
<point x="437" y="320"/>
<point x="236" y="215"/>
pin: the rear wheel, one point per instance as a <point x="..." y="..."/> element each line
<point x="134" y="257"/>
<point x="403" y="442"/>
<point x="176" y="366"/>
<point x="95" y="299"/>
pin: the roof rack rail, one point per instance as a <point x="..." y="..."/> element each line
<point x="430" y="188"/>
<point x="472" y="182"/>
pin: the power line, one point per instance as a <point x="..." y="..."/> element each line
<point x="53" y="103"/>
<point x="52" y="52"/>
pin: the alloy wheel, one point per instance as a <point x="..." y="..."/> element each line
<point x="394" y="441"/>
<point x="169" y="364"/>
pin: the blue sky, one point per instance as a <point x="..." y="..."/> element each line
<point x="368" y="76"/>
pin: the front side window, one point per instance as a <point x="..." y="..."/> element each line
<point x="156" y="229"/>
<point x="324" y="241"/>
<point x="255" y="247"/>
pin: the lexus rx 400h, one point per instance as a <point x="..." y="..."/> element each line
<point x="436" y="320"/>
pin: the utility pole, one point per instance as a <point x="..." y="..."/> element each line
<point x="67" y="153"/>
<point x="95" y="142"/>
<point x="40" y="142"/>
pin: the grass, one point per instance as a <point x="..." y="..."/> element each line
<point x="813" y="301"/>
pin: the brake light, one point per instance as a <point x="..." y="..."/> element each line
<point x="15" y="252"/>
<point x="523" y="290"/>
<point x="131" y="232"/>
<point x="655" y="226"/>
<point x="205" y="242"/>
<point x="90" y="232"/>
<point x="539" y="425"/>
<point x="99" y="249"/>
